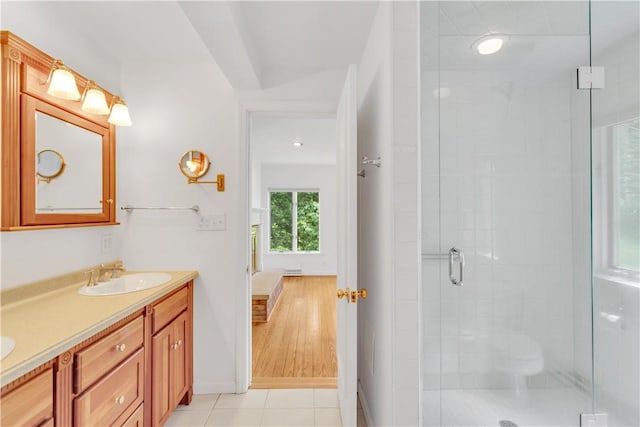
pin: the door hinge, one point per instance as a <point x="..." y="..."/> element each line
<point x="590" y="77"/>
<point x="593" y="419"/>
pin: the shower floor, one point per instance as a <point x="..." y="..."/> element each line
<point x="559" y="407"/>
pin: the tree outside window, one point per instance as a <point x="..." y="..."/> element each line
<point x="295" y="221"/>
<point x="626" y="195"/>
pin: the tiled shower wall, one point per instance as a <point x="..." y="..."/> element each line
<point x="405" y="95"/>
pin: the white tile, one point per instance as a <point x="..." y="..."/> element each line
<point x="407" y="373"/>
<point x="200" y="402"/>
<point x="235" y="417"/>
<point x="407" y="407"/>
<point x="408" y="342"/>
<point x="405" y="45"/>
<point x="406" y="316"/>
<point x="406" y="167"/>
<point x="406" y="227"/>
<point x="250" y="399"/>
<point x="325" y="398"/>
<point x="290" y="398"/>
<point x="328" y="417"/>
<point x="288" y="417"/>
<point x="407" y="286"/>
<point x="405" y="15"/>
<point x="187" y="419"/>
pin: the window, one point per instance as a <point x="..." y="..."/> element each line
<point x="295" y="221"/>
<point x="625" y="158"/>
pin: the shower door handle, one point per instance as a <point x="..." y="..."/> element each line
<point x="456" y="255"/>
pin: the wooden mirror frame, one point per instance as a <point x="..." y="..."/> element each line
<point x="24" y="69"/>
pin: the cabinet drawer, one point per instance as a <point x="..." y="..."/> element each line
<point x="100" y="357"/>
<point x="116" y="395"/>
<point x="31" y="404"/>
<point x="135" y="420"/>
<point x="168" y="309"/>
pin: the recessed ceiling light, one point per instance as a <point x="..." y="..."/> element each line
<point x="297" y="143"/>
<point x="489" y="44"/>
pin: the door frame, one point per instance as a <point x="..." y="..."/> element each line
<point x="243" y="374"/>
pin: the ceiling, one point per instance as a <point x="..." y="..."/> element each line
<point x="272" y="137"/>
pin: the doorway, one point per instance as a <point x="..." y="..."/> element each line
<point x="292" y="201"/>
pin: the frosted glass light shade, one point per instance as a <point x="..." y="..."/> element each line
<point x="95" y="102"/>
<point x="120" y="114"/>
<point x="63" y="85"/>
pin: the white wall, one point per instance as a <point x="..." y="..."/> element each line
<point x="176" y="107"/>
<point x="375" y="234"/>
<point x="306" y="177"/>
<point x="33" y="255"/>
<point x="388" y="238"/>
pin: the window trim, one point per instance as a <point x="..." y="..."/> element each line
<point x="294" y="221"/>
<point x="607" y="220"/>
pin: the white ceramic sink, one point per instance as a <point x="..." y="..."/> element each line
<point x="6" y="346"/>
<point x="125" y="284"/>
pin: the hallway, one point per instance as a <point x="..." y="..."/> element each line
<point x="297" y="346"/>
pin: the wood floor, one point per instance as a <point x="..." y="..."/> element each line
<point x="296" y="348"/>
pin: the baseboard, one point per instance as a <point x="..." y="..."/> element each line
<point x="293" y="382"/>
<point x="210" y="388"/>
<point x="365" y="405"/>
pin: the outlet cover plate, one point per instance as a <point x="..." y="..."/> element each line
<point x="593" y="420"/>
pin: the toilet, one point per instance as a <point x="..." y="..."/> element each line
<point x="517" y="355"/>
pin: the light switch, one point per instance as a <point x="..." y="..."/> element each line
<point x="216" y="222"/>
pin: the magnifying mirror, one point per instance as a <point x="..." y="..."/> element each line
<point x="194" y="164"/>
<point x="49" y="164"/>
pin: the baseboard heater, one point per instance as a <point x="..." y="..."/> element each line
<point x="293" y="272"/>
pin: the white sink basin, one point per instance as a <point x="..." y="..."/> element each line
<point x="6" y="346"/>
<point x="125" y="284"/>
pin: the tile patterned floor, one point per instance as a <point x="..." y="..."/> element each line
<point x="290" y="407"/>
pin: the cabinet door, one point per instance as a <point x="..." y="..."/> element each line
<point x="161" y="374"/>
<point x="31" y="404"/>
<point x="179" y="359"/>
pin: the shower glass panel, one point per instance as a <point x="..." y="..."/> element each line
<point x="615" y="45"/>
<point x="506" y="181"/>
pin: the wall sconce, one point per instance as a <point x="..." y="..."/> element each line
<point x="93" y="100"/>
<point x="195" y="164"/>
<point x="119" y="112"/>
<point x="62" y="82"/>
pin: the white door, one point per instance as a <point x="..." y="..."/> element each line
<point x="347" y="313"/>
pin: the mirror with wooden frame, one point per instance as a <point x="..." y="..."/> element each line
<point x="40" y="189"/>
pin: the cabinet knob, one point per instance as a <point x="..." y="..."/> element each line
<point x="179" y="343"/>
<point x="120" y="400"/>
<point x="121" y="347"/>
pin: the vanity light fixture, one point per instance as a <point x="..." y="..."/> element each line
<point x="62" y="83"/>
<point x="489" y="44"/>
<point x="94" y="100"/>
<point x="119" y="112"/>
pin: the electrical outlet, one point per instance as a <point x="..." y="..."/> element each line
<point x="216" y="222"/>
<point x="106" y="243"/>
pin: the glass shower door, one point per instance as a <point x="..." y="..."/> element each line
<point x="506" y="214"/>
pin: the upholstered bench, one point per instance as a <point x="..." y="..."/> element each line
<point x="266" y="287"/>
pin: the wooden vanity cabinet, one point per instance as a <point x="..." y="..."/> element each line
<point x="171" y="356"/>
<point x="133" y="373"/>
<point x="29" y="404"/>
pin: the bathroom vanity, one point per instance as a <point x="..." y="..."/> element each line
<point x="121" y="360"/>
